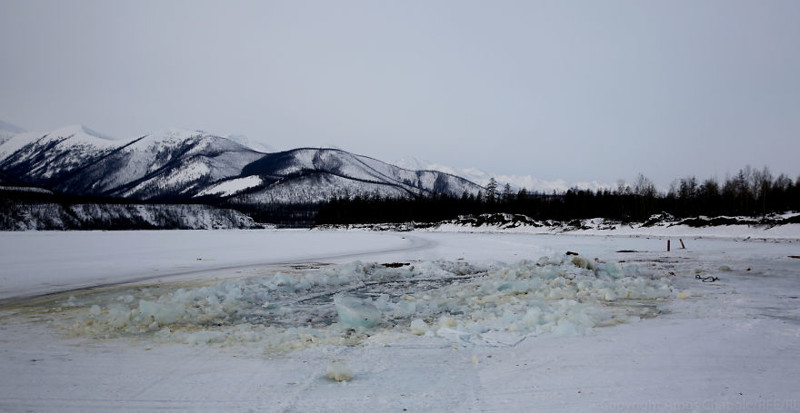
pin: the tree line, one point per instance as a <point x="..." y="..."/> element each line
<point x="750" y="192"/>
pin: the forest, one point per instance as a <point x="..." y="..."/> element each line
<point x="750" y="192"/>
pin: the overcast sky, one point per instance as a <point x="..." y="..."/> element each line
<point x="572" y="90"/>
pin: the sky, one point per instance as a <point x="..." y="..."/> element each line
<point x="574" y="92"/>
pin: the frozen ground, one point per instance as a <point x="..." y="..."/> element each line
<point x="258" y="321"/>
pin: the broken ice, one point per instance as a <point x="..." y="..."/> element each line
<point x="453" y="300"/>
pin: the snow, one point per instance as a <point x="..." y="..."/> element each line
<point x="186" y="162"/>
<point x="22" y="217"/>
<point x="356" y="174"/>
<point x="206" y="157"/>
<point x="192" y="171"/>
<point x="472" y="174"/>
<point x="516" y="181"/>
<point x="232" y="186"/>
<point x="17" y="142"/>
<point x="76" y="144"/>
<point x="168" y="137"/>
<point x="599" y="227"/>
<point x="316" y="188"/>
<point x="249" y="143"/>
<point x="24" y="189"/>
<point x="82" y="134"/>
<point x="411" y="178"/>
<point x="474" y="322"/>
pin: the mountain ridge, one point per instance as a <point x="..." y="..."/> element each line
<point x="189" y="164"/>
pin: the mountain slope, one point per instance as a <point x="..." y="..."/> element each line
<point x="47" y="159"/>
<point x="167" y="163"/>
<point x="313" y="175"/>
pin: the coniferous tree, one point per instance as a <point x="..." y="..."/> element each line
<point x="507" y="194"/>
<point x="491" y="190"/>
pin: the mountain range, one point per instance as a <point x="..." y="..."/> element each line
<point x="516" y="182"/>
<point x="177" y="164"/>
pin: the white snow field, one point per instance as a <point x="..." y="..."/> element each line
<point x="285" y="321"/>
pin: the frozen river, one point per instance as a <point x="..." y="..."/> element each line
<point x="37" y="263"/>
<point x="246" y="321"/>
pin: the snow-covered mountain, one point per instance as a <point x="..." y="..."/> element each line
<point x="176" y="163"/>
<point x="318" y="174"/>
<point x="517" y="182"/>
<point x="45" y="158"/>
<point x="167" y="163"/>
<point x="471" y="174"/>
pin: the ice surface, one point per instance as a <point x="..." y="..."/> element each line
<point x="41" y="262"/>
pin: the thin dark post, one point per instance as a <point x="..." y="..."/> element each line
<point x="667" y="245"/>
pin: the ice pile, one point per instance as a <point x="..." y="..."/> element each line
<point x="453" y="301"/>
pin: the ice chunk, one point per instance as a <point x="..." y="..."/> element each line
<point x="95" y="310"/>
<point x="338" y="370"/>
<point x="161" y="313"/>
<point x="356" y="312"/>
<point x="118" y="316"/>
<point x="581" y="262"/>
<point x="611" y="269"/>
<point x="566" y="328"/>
<point x="419" y="327"/>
